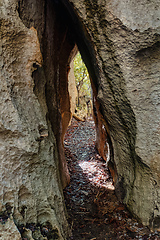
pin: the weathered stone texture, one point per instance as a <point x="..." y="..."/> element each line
<point x="72" y="87"/>
<point x="140" y="15"/>
<point x="9" y="231"/>
<point x="126" y="36"/>
<point x="30" y="186"/>
<point x="69" y="97"/>
<point x="121" y="48"/>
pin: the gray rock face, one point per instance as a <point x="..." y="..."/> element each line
<point x="121" y="48"/>
<point x="140" y="15"/>
<point x="30" y="186"/>
<point x="126" y="36"/>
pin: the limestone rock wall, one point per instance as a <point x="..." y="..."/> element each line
<point x="31" y="187"/>
<point x="127" y="44"/>
<point x="71" y="83"/>
<point x="68" y="91"/>
<point x="120" y="47"/>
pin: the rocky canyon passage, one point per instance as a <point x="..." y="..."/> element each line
<point x="93" y="209"/>
<point x="119" y="42"/>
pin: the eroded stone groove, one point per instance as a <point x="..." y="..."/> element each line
<point x="31" y="181"/>
<point x="37" y="39"/>
<point x="117" y="46"/>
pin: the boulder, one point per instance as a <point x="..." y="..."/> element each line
<point x="126" y="40"/>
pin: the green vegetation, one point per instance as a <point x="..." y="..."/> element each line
<point x="82" y="84"/>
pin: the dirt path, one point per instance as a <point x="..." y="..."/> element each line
<point x="93" y="209"/>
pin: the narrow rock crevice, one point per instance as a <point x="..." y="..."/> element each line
<point x="38" y="42"/>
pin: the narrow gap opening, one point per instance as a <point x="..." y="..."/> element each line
<point x="83" y="116"/>
<point x="84" y="94"/>
<point x="94" y="212"/>
<point x="93" y="208"/>
<point x="91" y="181"/>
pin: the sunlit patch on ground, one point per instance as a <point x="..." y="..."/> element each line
<point x="93" y="208"/>
<point x="97" y="173"/>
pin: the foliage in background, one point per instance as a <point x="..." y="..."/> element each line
<point x="82" y="82"/>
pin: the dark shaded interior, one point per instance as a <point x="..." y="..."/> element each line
<point x="59" y="31"/>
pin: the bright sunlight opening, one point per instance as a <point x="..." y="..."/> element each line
<point x="84" y="90"/>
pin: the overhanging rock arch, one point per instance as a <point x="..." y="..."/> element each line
<point x="37" y="40"/>
<point x="96" y="36"/>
